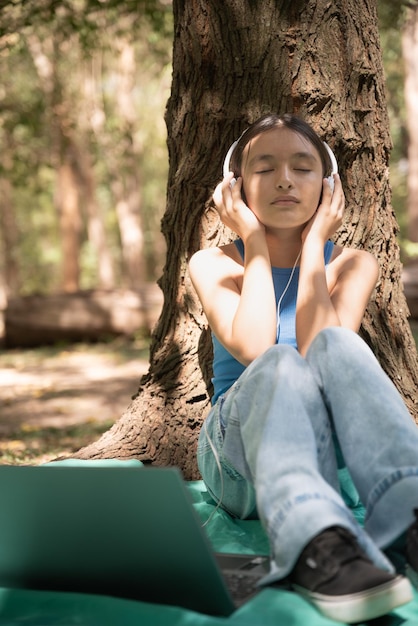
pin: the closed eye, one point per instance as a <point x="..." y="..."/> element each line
<point x="264" y="171"/>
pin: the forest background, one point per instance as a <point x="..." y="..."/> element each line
<point x="83" y="165"/>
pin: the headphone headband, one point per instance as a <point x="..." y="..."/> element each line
<point x="334" y="164"/>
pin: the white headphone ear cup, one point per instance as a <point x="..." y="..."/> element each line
<point x="227" y="160"/>
<point x="334" y="165"/>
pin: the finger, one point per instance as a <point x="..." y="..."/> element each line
<point x="228" y="180"/>
<point x="334" y="197"/>
<point x="338" y="194"/>
<point x="327" y="192"/>
<point x="236" y="189"/>
<point x="338" y="188"/>
<point x="224" y="185"/>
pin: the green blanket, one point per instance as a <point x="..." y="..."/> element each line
<point x="271" y="607"/>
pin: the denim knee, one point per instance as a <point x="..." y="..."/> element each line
<point x="335" y="338"/>
<point x="272" y="357"/>
<point x="225" y="485"/>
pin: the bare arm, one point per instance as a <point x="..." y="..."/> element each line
<point x="239" y="303"/>
<point x="338" y="296"/>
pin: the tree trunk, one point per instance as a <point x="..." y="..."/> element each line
<point x="126" y="185"/>
<point x="128" y="201"/>
<point x="67" y="199"/>
<point x="92" y="315"/>
<point x="44" y="55"/>
<point x="9" y="235"/>
<point x="232" y="62"/>
<point x="9" y="228"/>
<point x="410" y="55"/>
<point x="95" y="223"/>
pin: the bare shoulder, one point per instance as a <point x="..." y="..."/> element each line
<point x="219" y="259"/>
<point x="216" y="274"/>
<point x="352" y="261"/>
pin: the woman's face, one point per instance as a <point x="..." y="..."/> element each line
<point x="282" y="178"/>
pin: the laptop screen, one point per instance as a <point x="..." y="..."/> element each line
<point x="130" y="532"/>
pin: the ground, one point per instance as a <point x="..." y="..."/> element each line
<point x="55" y="400"/>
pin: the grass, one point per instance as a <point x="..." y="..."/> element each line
<point x="23" y="440"/>
<point x="34" y="444"/>
<point x="121" y="348"/>
<point x="40" y="445"/>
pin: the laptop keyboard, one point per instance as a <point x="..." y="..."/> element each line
<point x="241" y="586"/>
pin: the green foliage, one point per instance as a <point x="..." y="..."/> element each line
<point x="391" y="20"/>
<point x="86" y="17"/>
<point x="82" y="40"/>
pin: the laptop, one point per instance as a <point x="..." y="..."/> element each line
<point x="129" y="532"/>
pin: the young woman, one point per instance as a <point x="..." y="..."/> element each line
<point x="295" y="387"/>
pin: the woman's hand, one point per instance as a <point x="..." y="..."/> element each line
<point x="329" y="214"/>
<point x="232" y="209"/>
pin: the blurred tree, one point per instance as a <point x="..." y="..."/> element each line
<point x="70" y="156"/>
<point x="231" y="63"/>
<point x="9" y="233"/>
<point x="390" y="27"/>
<point x="63" y="101"/>
<point x="123" y="167"/>
<point x="24" y="149"/>
<point x="396" y="22"/>
<point x="410" y="55"/>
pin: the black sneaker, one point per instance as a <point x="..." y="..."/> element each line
<point x="412" y="551"/>
<point x="336" y="576"/>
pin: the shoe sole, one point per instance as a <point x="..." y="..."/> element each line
<point x="364" y="605"/>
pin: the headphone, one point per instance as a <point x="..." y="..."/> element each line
<point x="227" y="161"/>
<point x="330" y="178"/>
<point x="334" y="166"/>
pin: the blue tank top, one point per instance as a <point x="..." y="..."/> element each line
<point x="226" y="369"/>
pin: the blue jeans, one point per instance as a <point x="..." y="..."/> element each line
<point x="274" y="432"/>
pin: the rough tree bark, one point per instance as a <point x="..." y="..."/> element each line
<point x="231" y="63"/>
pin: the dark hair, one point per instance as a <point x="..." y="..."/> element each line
<point x="271" y="121"/>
